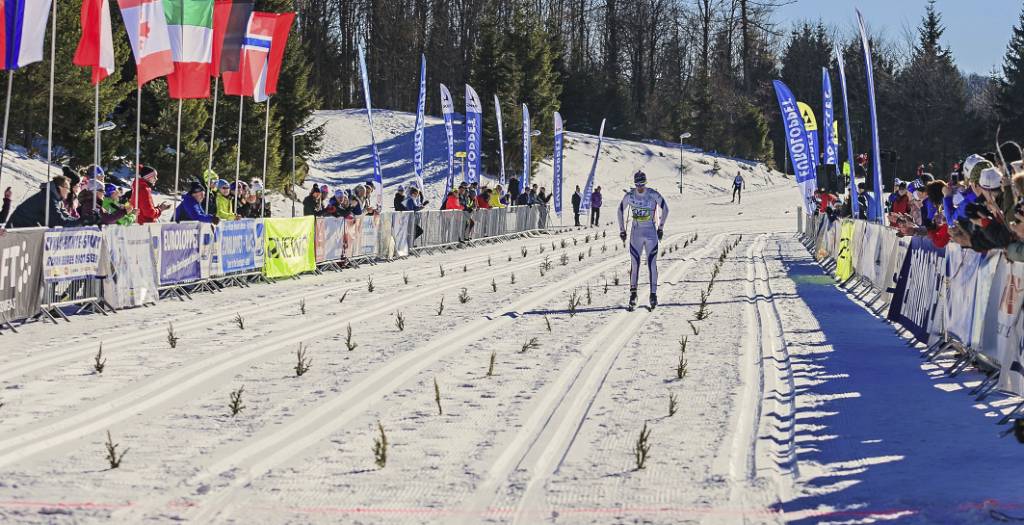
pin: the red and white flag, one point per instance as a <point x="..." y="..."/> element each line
<point x="151" y="41"/>
<point x="261" y="56"/>
<point x="96" y="47"/>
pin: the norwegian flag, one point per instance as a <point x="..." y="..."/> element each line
<point x="261" y="55"/>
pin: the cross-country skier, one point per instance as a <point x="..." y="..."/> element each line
<point x="643" y="202"/>
<point x="738" y="185"/>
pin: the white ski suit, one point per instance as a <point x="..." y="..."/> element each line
<point x="644" y="234"/>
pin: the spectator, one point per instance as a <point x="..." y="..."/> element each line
<point x="595" y="207"/>
<point x="211" y="179"/>
<point x="90" y="214"/>
<point x="6" y="209"/>
<point x="311" y="204"/>
<point x="252" y="207"/>
<point x="32" y="212"/>
<point x="452" y="201"/>
<point x="142" y="197"/>
<point x="414" y="203"/>
<point x="483" y="200"/>
<point x="400" y="200"/>
<point x="543" y="198"/>
<point x="900" y="202"/>
<point x="191" y="206"/>
<point x="358" y="201"/>
<point x="577" y="199"/>
<point x="513" y="190"/>
<point x="497" y="198"/>
<point x="523" y="199"/>
<point x="111" y="205"/>
<point x="225" y="202"/>
<point x="826" y="202"/>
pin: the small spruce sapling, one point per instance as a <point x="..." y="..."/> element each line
<point x="441" y="268"/>
<point x="302" y="305"/>
<point x="236" y="405"/>
<point x="681" y="364"/>
<point x="532" y="344"/>
<point x="642" y="447"/>
<point x="565" y="259"/>
<point x="113" y="458"/>
<point x="172" y="339"/>
<point x="494" y="285"/>
<point x="440" y="307"/>
<point x="405" y="278"/>
<point x="369" y="284"/>
<point x="673" y="404"/>
<point x="513" y="278"/>
<point x="99" y="362"/>
<point x="523" y="251"/>
<point x="548" y="322"/>
<point x="239" y="321"/>
<point x="400" y="321"/>
<point x="574" y="302"/>
<point x="464" y="296"/>
<point x="437" y="398"/>
<point x="380" y="447"/>
<point x="465" y="268"/>
<point x="343" y="296"/>
<point x="349" y="343"/>
<point x="588" y="295"/>
<point x="303" y="363"/>
<point x="490" y="367"/>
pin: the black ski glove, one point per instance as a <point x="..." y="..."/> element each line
<point x="661" y="233"/>
<point x="622" y="235"/>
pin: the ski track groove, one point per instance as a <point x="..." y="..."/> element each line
<point x="263" y="453"/>
<point x="49" y="359"/>
<point x="166" y="388"/>
<point x="547" y="436"/>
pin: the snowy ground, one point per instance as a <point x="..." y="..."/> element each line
<point x="797" y="405"/>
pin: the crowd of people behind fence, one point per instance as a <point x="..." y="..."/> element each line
<point x="979" y="205"/>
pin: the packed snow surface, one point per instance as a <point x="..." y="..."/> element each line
<point x="796" y="405"/>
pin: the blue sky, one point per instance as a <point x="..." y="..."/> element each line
<point x="977" y="31"/>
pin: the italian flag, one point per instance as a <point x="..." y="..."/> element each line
<point x="190" y="24"/>
<point x="151" y="44"/>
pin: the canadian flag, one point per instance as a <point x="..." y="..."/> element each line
<point x="151" y="41"/>
<point x="261" y="56"/>
<point x="96" y="47"/>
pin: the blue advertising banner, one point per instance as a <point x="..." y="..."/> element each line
<point x="876" y="159"/>
<point x="557" y="161"/>
<point x="179" y="253"/>
<point x="829" y="132"/>
<point x="527" y="154"/>
<point x="588" y="189"/>
<point x="421" y="106"/>
<point x="854" y="204"/>
<point x="501" y="140"/>
<point x="474" y="129"/>
<point x="447" y="108"/>
<point x="237" y="245"/>
<point x="796" y="140"/>
<point x="917" y="288"/>
<point x="378" y="175"/>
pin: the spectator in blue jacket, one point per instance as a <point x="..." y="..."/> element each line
<point x="191" y="207"/>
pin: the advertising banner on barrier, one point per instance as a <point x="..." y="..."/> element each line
<point x="400" y="226"/>
<point x="988" y="270"/>
<point x="237" y="245"/>
<point x="1008" y="328"/>
<point x="914" y="299"/>
<point x="335" y="238"/>
<point x="353" y="236"/>
<point x="133" y="280"/>
<point x="289" y="246"/>
<point x="179" y="253"/>
<point x="368" y="245"/>
<point x="21" y="262"/>
<point x="866" y="255"/>
<point x="72" y="253"/>
<point x="320" y="239"/>
<point x="209" y="251"/>
<point x="962" y="274"/>
<point x="844" y="254"/>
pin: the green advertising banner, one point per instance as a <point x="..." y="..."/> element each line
<point x="289" y="246"/>
<point x="844" y="259"/>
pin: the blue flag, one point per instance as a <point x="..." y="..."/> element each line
<point x="557" y="162"/>
<point x="796" y="141"/>
<point x="527" y="154"/>
<point x="829" y="133"/>
<point x="501" y="140"/>
<point x="588" y="190"/>
<point x="474" y="127"/>
<point x="854" y="203"/>
<point x="378" y="176"/>
<point x="417" y="147"/>
<point x="447" y="108"/>
<point x="876" y="163"/>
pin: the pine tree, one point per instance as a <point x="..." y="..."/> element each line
<point x="1010" y="94"/>
<point x="540" y="87"/>
<point x="497" y="72"/>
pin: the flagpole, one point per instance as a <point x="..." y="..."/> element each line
<point x="238" y="154"/>
<point x="177" y="155"/>
<point x="7" y="114"/>
<point x="96" y="147"/>
<point x="266" y="139"/>
<point x="213" y="124"/>
<point x="138" y="145"/>
<point x="49" y="130"/>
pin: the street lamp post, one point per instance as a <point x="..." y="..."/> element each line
<point x="682" y="137"/>
<point x="297" y="133"/>
<point x="100" y="128"/>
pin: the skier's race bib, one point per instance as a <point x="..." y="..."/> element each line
<point x="642" y="214"/>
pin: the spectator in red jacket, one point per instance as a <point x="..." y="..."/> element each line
<point x="483" y="199"/>
<point x="452" y="202"/>
<point x="827" y="200"/>
<point x="142" y="196"/>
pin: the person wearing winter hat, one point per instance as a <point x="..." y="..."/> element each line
<point x="311" y="205"/>
<point x="997" y="192"/>
<point x="225" y="208"/>
<point x="142" y="196"/>
<point x="191" y="206"/>
<point x="644" y="205"/>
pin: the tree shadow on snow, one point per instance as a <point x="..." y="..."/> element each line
<point x="880" y="441"/>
